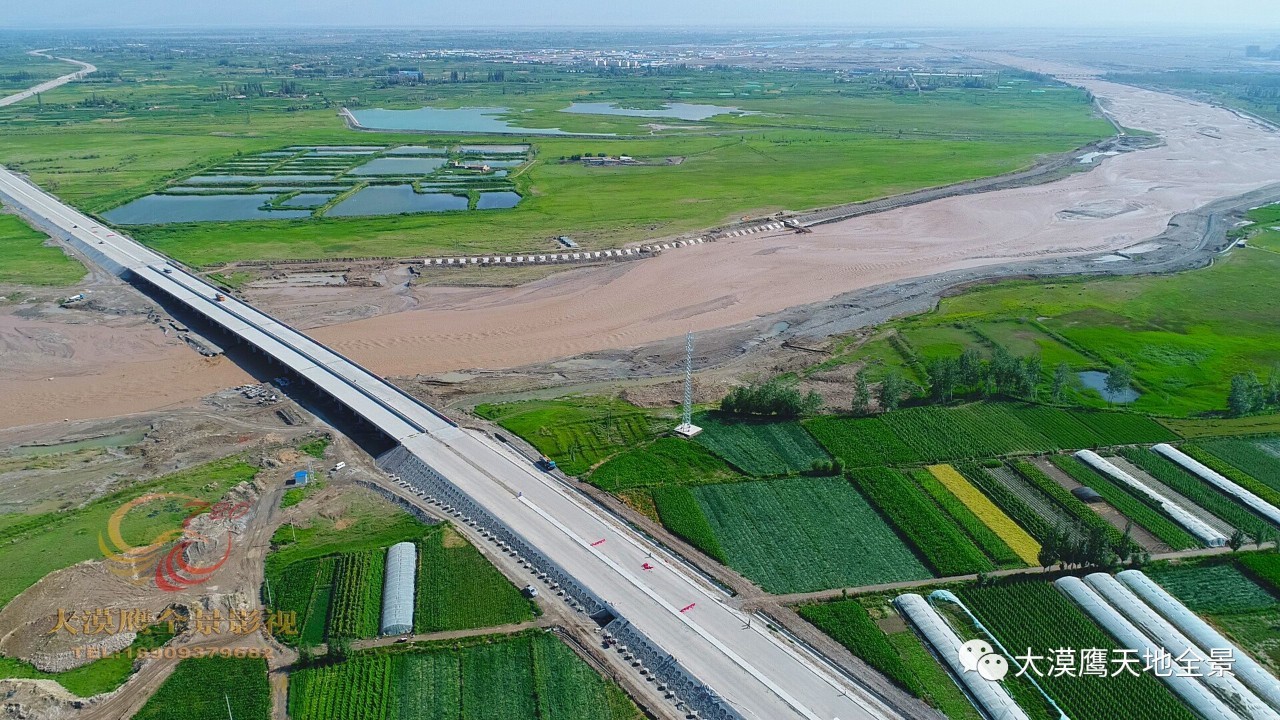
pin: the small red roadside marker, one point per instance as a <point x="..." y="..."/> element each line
<point x="598" y="542"/>
<point x="647" y="566"/>
<point x="688" y="607"/>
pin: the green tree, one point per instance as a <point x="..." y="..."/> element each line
<point x="1120" y="378"/>
<point x="971" y="368"/>
<point x="1061" y="381"/>
<point x="1237" y="540"/>
<point x="891" y="390"/>
<point x="944" y="373"/>
<point x="861" y="393"/>
<point x="1246" y="395"/>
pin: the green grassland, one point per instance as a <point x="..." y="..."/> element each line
<point x="520" y="676"/>
<point x="804" y="534"/>
<point x="40" y="544"/>
<point x="202" y="688"/>
<point x="147" y="119"/>
<point x="577" y="432"/>
<point x="665" y="461"/>
<point x="28" y="261"/>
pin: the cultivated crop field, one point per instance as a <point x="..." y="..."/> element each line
<point x="1024" y="547"/>
<point x="1139" y="510"/>
<point x="861" y="442"/>
<point x="897" y="653"/>
<point x="944" y="548"/>
<point x="458" y="589"/>
<point x="577" y="432"/>
<point x="1034" y="614"/>
<point x="804" y="534"/>
<point x="665" y="461"/>
<point x="357" y="594"/>
<point x="977" y="430"/>
<point x="496" y="678"/>
<point x="679" y="511"/>
<point x="1218" y="587"/>
<point x="201" y="688"/>
<point x="759" y="448"/>
<point x="1258" y="457"/>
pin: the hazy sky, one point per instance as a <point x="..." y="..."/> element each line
<point x="1239" y="14"/>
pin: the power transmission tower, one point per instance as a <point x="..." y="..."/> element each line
<point x="687" y="428"/>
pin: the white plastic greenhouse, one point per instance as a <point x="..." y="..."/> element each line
<point x="1205" y="637"/>
<point x="1204" y="472"/>
<point x="397" y="589"/>
<point x="993" y="700"/>
<point x="1231" y="691"/>
<point x="1193" y="692"/>
<point x="1194" y="525"/>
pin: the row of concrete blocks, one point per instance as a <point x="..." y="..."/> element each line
<point x="589" y="256"/>
<point x="677" y="685"/>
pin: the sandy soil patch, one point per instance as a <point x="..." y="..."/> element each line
<point x="730" y="282"/>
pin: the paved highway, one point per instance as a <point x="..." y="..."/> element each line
<point x="756" y="672"/>
<point x="85" y="69"/>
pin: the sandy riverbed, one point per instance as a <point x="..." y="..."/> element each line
<point x="1209" y="153"/>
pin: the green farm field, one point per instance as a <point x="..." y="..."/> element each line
<point x="804" y="534"/>
<point x="333" y="578"/>
<point x="202" y="689"/>
<point x="520" y="676"/>
<point x="1034" y="614"/>
<point x="147" y="120"/>
<point x="760" y="448"/>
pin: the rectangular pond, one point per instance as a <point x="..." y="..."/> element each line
<point x="449" y="120"/>
<point x="494" y="149"/>
<point x="250" y="179"/>
<point x="497" y="200"/>
<point x="158" y="209"/>
<point x="395" y="199"/>
<point x="400" y="166"/>
<point x="417" y="150"/>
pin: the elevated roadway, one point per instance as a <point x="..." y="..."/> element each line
<point x="753" y="671"/>
<point x="85" y="69"/>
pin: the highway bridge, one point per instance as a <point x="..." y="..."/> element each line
<point x="709" y="653"/>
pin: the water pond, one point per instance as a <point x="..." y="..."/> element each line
<point x="497" y="200"/>
<point x="674" y="111"/>
<point x="494" y="149"/>
<point x="468" y="120"/>
<point x="1095" y="380"/>
<point x="417" y="150"/>
<point x="157" y="209"/>
<point x="399" y="166"/>
<point x="249" y="179"/>
<point x="395" y="199"/>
